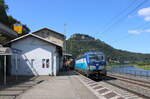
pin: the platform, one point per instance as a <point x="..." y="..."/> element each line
<point x="65" y="86"/>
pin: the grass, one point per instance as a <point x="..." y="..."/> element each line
<point x="146" y="67"/>
<point x="117" y="65"/>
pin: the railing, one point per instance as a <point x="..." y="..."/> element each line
<point x="127" y="71"/>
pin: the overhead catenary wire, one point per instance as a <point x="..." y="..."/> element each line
<point x="126" y="15"/>
<point x="119" y="14"/>
<point x="119" y="21"/>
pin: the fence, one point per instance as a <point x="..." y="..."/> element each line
<point x="130" y="70"/>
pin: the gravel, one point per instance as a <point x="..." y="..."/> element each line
<point x="133" y="87"/>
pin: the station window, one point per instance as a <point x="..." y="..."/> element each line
<point x="47" y="63"/>
<point x="43" y="63"/>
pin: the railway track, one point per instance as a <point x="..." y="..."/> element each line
<point x="133" y="86"/>
<point x="137" y="87"/>
<point x="130" y="80"/>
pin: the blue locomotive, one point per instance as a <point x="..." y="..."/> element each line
<point x="92" y="63"/>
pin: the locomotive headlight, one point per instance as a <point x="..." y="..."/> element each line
<point x="97" y="64"/>
<point x="92" y="67"/>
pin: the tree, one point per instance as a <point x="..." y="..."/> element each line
<point x="3" y="14"/>
<point x="13" y="21"/>
<point x="9" y="20"/>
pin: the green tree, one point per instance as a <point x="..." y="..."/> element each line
<point x="13" y="21"/>
<point x="9" y="20"/>
<point x="3" y="14"/>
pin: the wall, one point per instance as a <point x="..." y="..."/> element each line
<point x="33" y="48"/>
<point x="49" y="35"/>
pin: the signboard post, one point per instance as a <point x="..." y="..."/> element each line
<point x="4" y="51"/>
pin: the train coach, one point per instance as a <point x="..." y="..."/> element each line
<point x="92" y="64"/>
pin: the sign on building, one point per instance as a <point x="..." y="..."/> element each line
<point x="5" y="51"/>
<point x="18" y="28"/>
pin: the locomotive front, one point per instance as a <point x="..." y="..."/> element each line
<point x="97" y="63"/>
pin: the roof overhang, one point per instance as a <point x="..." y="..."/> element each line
<point x="6" y="31"/>
<point x="33" y="35"/>
<point x="67" y="54"/>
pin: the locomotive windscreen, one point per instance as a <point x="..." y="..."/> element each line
<point x="96" y="57"/>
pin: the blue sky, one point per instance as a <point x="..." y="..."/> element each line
<point x="92" y="17"/>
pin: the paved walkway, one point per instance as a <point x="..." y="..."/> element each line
<point x="65" y="86"/>
<point x="15" y="87"/>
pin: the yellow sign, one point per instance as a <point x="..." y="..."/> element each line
<point x="18" y="28"/>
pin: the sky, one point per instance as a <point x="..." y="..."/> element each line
<point x="123" y="24"/>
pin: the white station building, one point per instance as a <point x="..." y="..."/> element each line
<point x="37" y="53"/>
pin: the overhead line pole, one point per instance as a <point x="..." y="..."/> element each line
<point x="66" y="37"/>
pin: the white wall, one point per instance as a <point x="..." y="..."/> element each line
<point x="33" y="48"/>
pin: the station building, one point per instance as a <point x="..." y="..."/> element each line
<point x="37" y="53"/>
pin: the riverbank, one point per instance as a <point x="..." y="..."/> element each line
<point x="117" y="65"/>
<point x="145" y="67"/>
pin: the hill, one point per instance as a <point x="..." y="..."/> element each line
<point x="78" y="44"/>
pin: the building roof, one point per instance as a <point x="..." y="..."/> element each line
<point x="50" y="31"/>
<point x="33" y="35"/>
<point x="67" y="54"/>
<point x="4" y="30"/>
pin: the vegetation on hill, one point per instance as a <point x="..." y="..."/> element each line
<point x="78" y="44"/>
<point x="9" y="20"/>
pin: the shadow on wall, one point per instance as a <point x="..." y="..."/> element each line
<point x="23" y="67"/>
<point x="30" y="66"/>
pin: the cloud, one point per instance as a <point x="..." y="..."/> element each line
<point x="147" y="30"/>
<point x="145" y="12"/>
<point x="136" y="32"/>
<point x="147" y="18"/>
